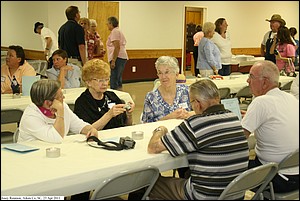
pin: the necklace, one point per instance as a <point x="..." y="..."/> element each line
<point x="100" y="108"/>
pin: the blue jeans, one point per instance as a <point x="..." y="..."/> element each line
<point x="116" y="74"/>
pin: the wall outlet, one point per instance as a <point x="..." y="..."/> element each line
<point x="133" y="69"/>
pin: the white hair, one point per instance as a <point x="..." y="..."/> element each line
<point x="93" y="22"/>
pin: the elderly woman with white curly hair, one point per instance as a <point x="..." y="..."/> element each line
<point x="169" y="100"/>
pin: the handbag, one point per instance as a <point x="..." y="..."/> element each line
<point x="289" y="68"/>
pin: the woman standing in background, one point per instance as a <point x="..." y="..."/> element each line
<point x="293" y="32"/>
<point x="222" y="40"/>
<point x="209" y="58"/>
<point x="117" y="55"/>
<point x="284" y="49"/>
<point x="93" y="45"/>
<point x="197" y="37"/>
<point x="100" y="45"/>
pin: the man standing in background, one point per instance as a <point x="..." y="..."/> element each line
<point x="71" y="37"/>
<point x="275" y="22"/>
<point x="49" y="41"/>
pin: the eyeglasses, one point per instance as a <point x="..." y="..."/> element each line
<point x="252" y="77"/>
<point x="101" y="80"/>
<point x="165" y="73"/>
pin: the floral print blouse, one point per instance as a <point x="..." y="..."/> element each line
<point x="156" y="108"/>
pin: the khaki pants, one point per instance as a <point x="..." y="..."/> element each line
<point x="168" y="188"/>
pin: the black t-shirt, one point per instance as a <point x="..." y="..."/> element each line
<point x="90" y="110"/>
<point x="70" y="36"/>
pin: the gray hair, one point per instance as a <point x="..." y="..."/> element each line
<point x="172" y="62"/>
<point x="44" y="89"/>
<point x="208" y="27"/>
<point x="93" y="22"/>
<point x="269" y="70"/>
<point x="114" y="21"/>
<point x="204" y="90"/>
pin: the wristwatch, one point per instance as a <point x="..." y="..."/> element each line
<point x="157" y="129"/>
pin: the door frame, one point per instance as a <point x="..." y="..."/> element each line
<point x="204" y="17"/>
<point x="100" y="11"/>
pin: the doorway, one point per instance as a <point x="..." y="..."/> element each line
<point x="193" y="16"/>
<point x="100" y="11"/>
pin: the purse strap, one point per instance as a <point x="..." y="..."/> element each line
<point x="291" y="64"/>
<point x="109" y="145"/>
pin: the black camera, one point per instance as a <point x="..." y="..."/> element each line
<point x="127" y="142"/>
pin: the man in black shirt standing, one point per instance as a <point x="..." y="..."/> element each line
<point x="71" y="37"/>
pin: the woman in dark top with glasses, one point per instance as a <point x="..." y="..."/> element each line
<point x="101" y="108"/>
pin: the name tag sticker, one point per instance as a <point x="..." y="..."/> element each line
<point x="3" y="78"/>
<point x="110" y="105"/>
<point x="91" y="41"/>
<point x="183" y="105"/>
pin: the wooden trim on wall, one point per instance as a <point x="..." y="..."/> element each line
<point x="247" y="51"/>
<point x="147" y="54"/>
<point x="31" y="54"/>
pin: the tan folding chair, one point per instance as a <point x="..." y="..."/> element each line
<point x="255" y="178"/>
<point x="9" y="116"/>
<point x="246" y="94"/>
<point x="224" y="92"/>
<point x="291" y="160"/>
<point x="126" y="182"/>
<point x="287" y="86"/>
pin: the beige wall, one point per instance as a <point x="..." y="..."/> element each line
<point x="148" y="24"/>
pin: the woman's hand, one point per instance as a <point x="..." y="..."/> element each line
<point x="92" y="132"/>
<point x="57" y="107"/>
<point x="116" y="110"/>
<point x="66" y="68"/>
<point x="132" y="105"/>
<point x="180" y="113"/>
<point x="112" y="64"/>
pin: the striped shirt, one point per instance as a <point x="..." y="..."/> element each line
<point x="216" y="148"/>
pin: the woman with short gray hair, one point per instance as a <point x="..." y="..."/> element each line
<point x="48" y="118"/>
<point x="99" y="51"/>
<point x="172" y="62"/>
<point x="169" y="100"/>
<point x="117" y="55"/>
<point x="209" y="56"/>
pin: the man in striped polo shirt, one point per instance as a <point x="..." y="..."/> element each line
<point x="215" y="144"/>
